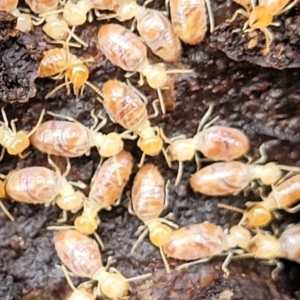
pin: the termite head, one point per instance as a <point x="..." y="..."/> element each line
<point x="158" y="233"/>
<point x="181" y="150"/>
<point x="258" y="216"/>
<point x="24" y="22"/>
<point x="70" y="200"/>
<point x="78" y="74"/>
<point x="156" y="75"/>
<point x="260" y="17"/>
<point x="75" y="13"/>
<point x="19" y="143"/>
<point x="270" y="174"/>
<point x="109" y="145"/>
<point x="238" y="236"/>
<point x="127" y="10"/>
<point x="150" y="143"/>
<point x="86" y="224"/>
<point x="264" y="246"/>
<point x="56" y="28"/>
<point x="113" y="285"/>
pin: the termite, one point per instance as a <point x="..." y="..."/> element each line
<point x="62" y="63"/>
<point x="106" y="190"/>
<point x="40" y="185"/>
<point x="202" y="241"/>
<point x="268" y="247"/>
<point x="231" y="177"/>
<point x="154" y="28"/>
<point x="283" y="196"/>
<point x="72" y="139"/>
<point x="57" y="29"/>
<point x="75" y="13"/>
<point x="15" y="142"/>
<point x="148" y="200"/>
<point x="189" y="19"/>
<point x="261" y="16"/>
<point x="125" y="107"/>
<point x="125" y="50"/>
<point x="215" y="143"/>
<point x="81" y="255"/>
<point x="24" y="22"/>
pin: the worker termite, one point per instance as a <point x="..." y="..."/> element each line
<point x="40" y="185"/>
<point x="266" y="246"/>
<point x="125" y="50"/>
<point x="189" y="19"/>
<point x="215" y="142"/>
<point x="15" y="142"/>
<point x="283" y="196"/>
<point x="75" y="13"/>
<point x="62" y="63"/>
<point x="154" y="28"/>
<point x="57" y="29"/>
<point x="225" y="178"/>
<point x="106" y="190"/>
<point x="126" y="108"/>
<point x="202" y="241"/>
<point x="81" y="255"/>
<point x="261" y="16"/>
<point x="148" y="200"/>
<point x="72" y="139"/>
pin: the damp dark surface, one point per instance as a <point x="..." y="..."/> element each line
<point x="261" y="101"/>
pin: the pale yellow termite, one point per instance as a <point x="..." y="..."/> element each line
<point x="215" y="143"/>
<point x="125" y="107"/>
<point x="106" y="190"/>
<point x="72" y="139"/>
<point x="231" y="177"/>
<point x="15" y="142"/>
<point x="40" y="185"/>
<point x="62" y="63"/>
<point x="81" y="255"/>
<point x="266" y="246"/>
<point x="283" y="196"/>
<point x="202" y="241"/>
<point x="148" y="200"/>
<point x="261" y="16"/>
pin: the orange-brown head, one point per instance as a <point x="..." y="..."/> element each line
<point x="260" y="17"/>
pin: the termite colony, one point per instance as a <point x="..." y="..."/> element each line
<point x="63" y="137"/>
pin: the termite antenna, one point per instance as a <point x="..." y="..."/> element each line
<point x="95" y="89"/>
<point x="167" y="266"/>
<point x="230" y="207"/>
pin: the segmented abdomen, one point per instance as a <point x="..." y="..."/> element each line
<point x="34" y="185"/>
<point x="62" y="138"/>
<point x="123" y="48"/>
<point x="78" y="252"/>
<point x="124" y="106"/>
